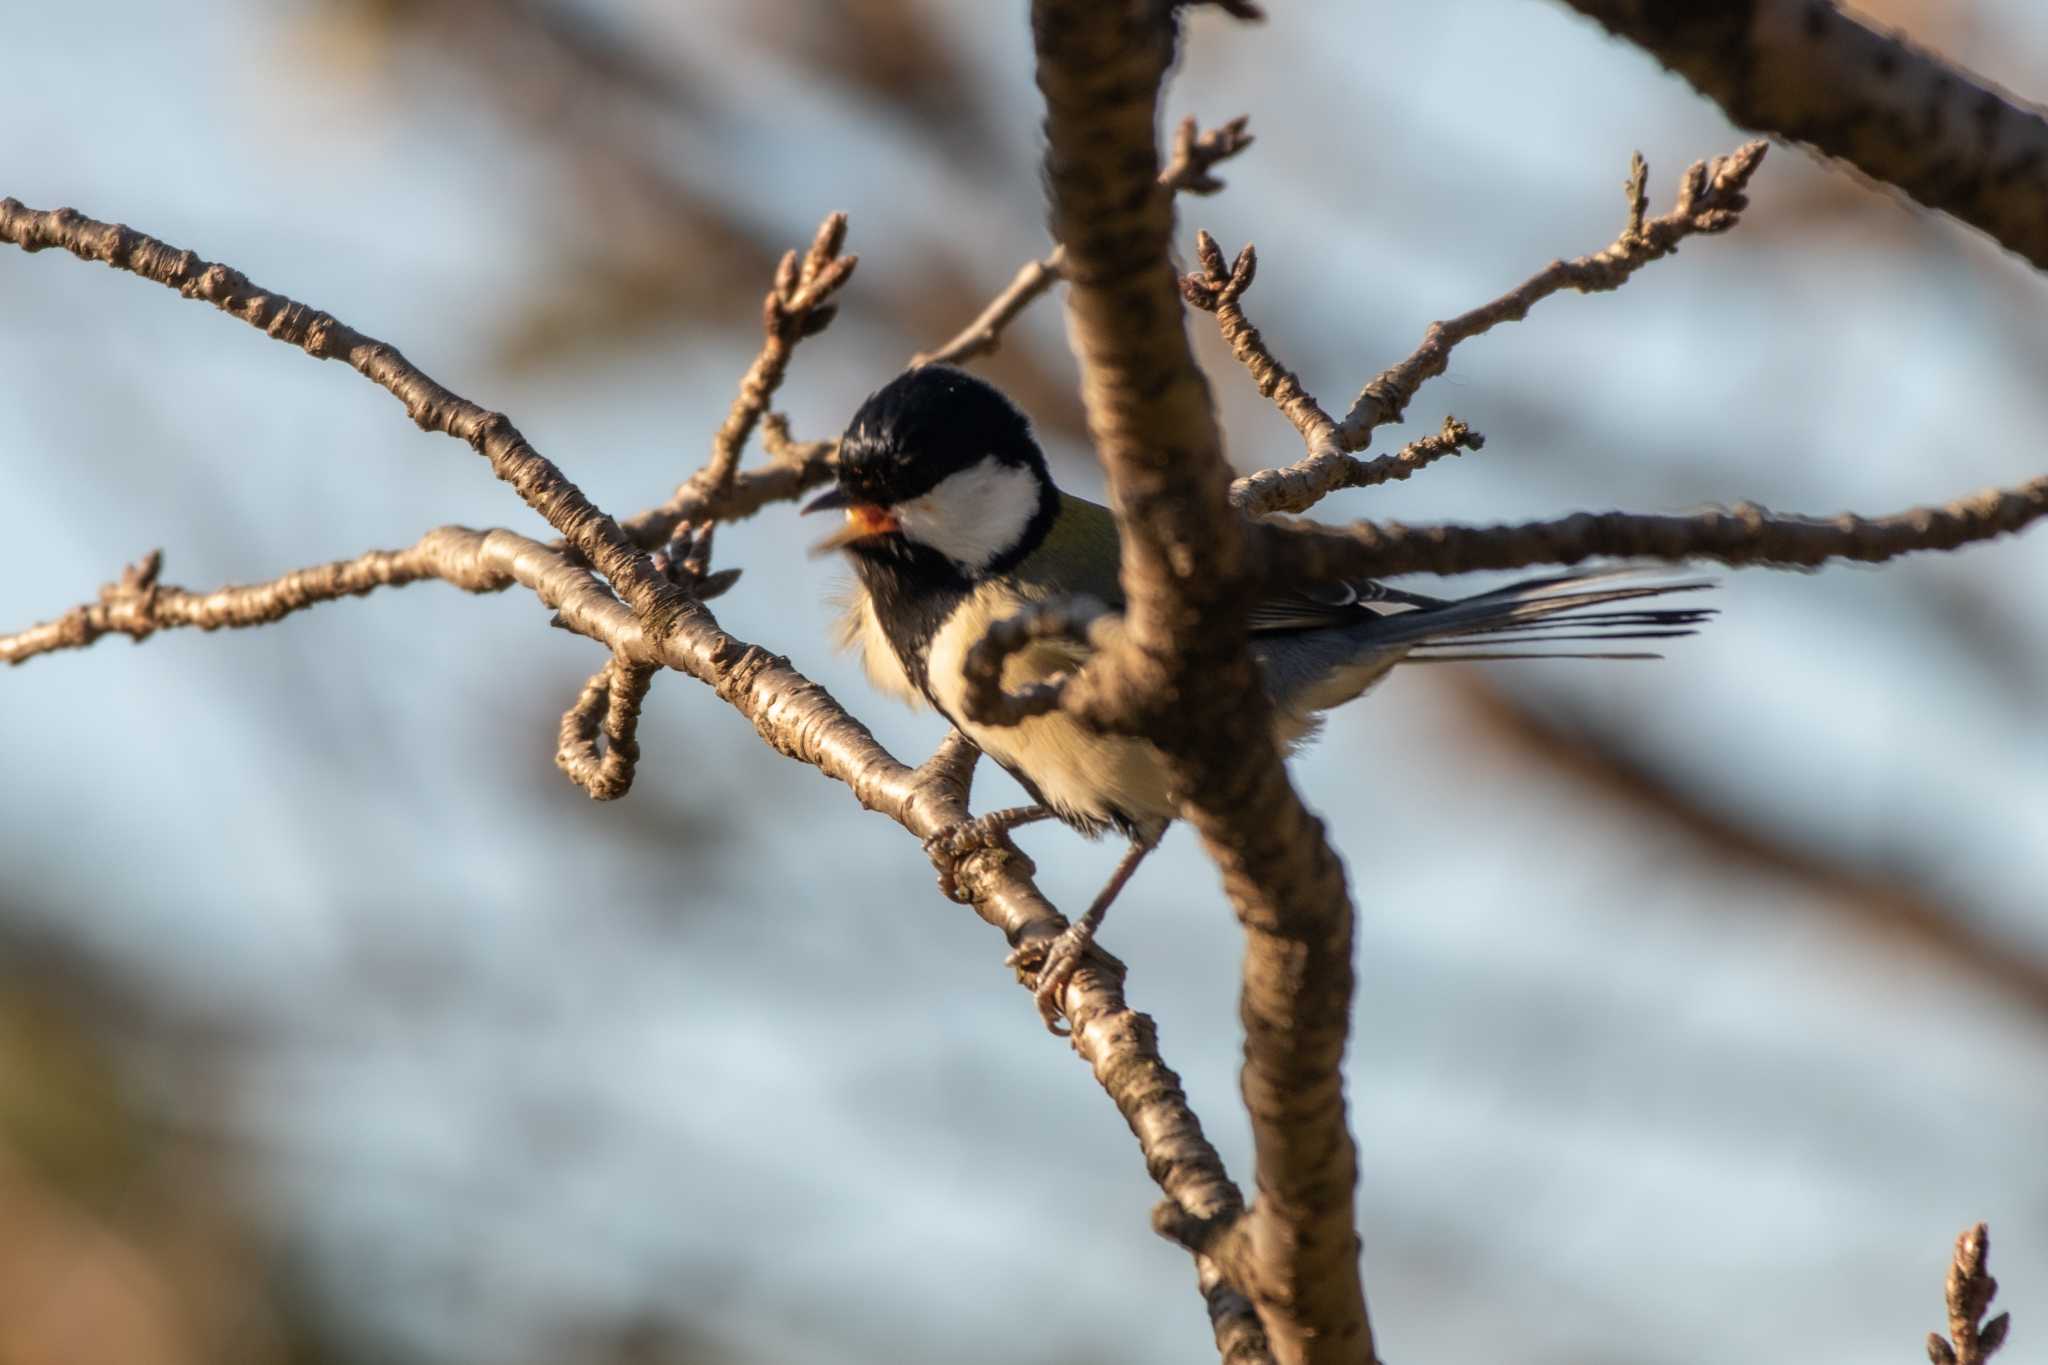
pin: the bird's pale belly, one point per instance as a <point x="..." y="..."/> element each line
<point x="1091" y="780"/>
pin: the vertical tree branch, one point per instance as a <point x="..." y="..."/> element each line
<point x="1185" y="677"/>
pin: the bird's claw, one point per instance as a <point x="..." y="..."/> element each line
<point x="948" y="848"/>
<point x="1055" y="962"/>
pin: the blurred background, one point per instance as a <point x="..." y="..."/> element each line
<point x="1701" y="1003"/>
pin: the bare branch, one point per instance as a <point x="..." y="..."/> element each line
<point x="138" y="605"/>
<point x="798" y="305"/>
<point x="1744" y="534"/>
<point x="785" y="449"/>
<point x="794" y="716"/>
<point x="1970" y="1289"/>
<point x="1879" y="896"/>
<point x="1812" y="72"/>
<point x="1454" y="436"/>
<point x="1710" y="200"/>
<point x="1195" y="156"/>
<point x="1298" y="487"/>
<point x="1182" y="674"/>
<point x="538" y="482"/>
<point x="1216" y="288"/>
<point x="983" y="335"/>
<point x="800" y="466"/>
<point x="609" y="704"/>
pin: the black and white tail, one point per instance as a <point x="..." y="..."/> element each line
<point x="1559" y="609"/>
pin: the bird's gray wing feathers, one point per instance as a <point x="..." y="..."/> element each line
<point x="1343" y="602"/>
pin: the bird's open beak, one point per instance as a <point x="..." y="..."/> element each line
<point x="863" y="520"/>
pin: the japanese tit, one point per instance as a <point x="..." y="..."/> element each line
<point x="953" y="522"/>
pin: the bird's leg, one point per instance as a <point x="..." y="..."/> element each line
<point x="950" y="845"/>
<point x="1063" y="955"/>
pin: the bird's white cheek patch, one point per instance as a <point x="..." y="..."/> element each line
<point x="976" y="515"/>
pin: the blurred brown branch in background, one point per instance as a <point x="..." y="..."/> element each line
<point x="119" y="1243"/>
<point x="1575" y="742"/>
<point x="1812" y="72"/>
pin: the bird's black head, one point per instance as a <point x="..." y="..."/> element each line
<point x="939" y="476"/>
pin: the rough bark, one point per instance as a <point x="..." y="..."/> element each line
<point x="1185" y="677"/>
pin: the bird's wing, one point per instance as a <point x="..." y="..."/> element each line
<point x="1079" y="557"/>
<point x="1341" y="602"/>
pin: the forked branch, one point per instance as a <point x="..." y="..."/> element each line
<point x="1711" y="197"/>
<point x="512" y="458"/>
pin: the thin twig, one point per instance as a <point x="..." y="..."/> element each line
<point x="1450" y="439"/>
<point x="609" y="705"/>
<point x="1710" y="200"/>
<point x="750" y="491"/>
<point x="1970" y="1289"/>
<point x="983" y="335"/>
<point x="138" y="605"/>
<point x="785" y="449"/>
<point x="1195" y="156"/>
<point x="798" y="305"/>
<point x="1216" y="288"/>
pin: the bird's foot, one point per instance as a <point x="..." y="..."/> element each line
<point x="953" y="845"/>
<point x="1061" y="958"/>
<point x="1057" y="962"/>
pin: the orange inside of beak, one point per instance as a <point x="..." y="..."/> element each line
<point x="863" y="520"/>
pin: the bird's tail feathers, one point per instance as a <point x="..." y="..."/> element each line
<point x="1553" y="609"/>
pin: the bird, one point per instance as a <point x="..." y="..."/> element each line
<point x="952" y="522"/>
